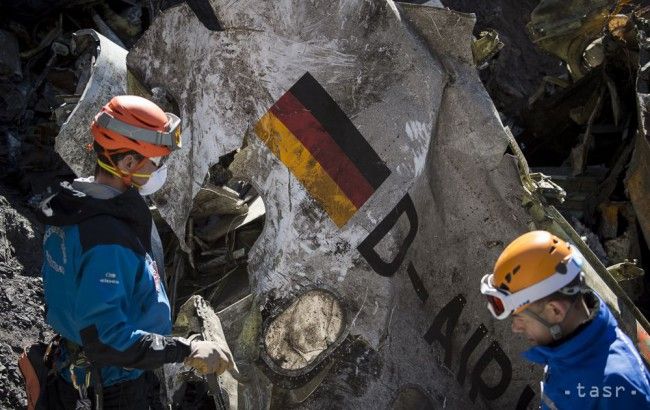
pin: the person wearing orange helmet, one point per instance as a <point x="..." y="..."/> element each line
<point x="102" y="273"/>
<point x="589" y="362"/>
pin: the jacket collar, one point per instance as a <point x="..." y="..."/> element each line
<point x="70" y="206"/>
<point x="600" y="330"/>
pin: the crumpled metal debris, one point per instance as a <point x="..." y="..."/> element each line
<point x="566" y="28"/>
<point x="637" y="181"/>
<point x="485" y="47"/>
<point x="630" y="277"/>
<point x="548" y="189"/>
<point x="196" y="317"/>
<point x="217" y="200"/>
<point x="221" y="223"/>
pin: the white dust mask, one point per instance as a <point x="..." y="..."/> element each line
<point x="155" y="182"/>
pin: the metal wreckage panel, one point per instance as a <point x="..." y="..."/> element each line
<point x="380" y="158"/>
<point x="107" y="78"/>
<point x="637" y="182"/>
<point x="404" y="257"/>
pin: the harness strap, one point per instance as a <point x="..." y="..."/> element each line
<point x="77" y="359"/>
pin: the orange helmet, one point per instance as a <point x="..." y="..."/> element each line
<point x="533" y="266"/>
<point x="132" y="123"/>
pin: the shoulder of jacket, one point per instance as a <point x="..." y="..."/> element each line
<point x="108" y="230"/>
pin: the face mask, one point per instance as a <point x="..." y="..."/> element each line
<point x="155" y="182"/>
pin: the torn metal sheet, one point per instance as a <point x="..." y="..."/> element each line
<point x="398" y="279"/>
<point x="107" y="79"/>
<point x="485" y="47"/>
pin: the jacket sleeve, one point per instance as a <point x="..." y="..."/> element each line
<point x="106" y="278"/>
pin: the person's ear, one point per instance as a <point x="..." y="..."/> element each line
<point x="556" y="310"/>
<point x="127" y="163"/>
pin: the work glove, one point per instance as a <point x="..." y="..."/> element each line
<point x="209" y="357"/>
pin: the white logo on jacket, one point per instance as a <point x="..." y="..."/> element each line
<point x="52" y="263"/>
<point x="110" y="278"/>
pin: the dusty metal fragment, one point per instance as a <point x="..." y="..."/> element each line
<point x="621" y="27"/>
<point x="308" y="327"/>
<point x="630" y="277"/>
<point x="594" y="54"/>
<point x="107" y="79"/>
<point x="220" y="225"/>
<point x="197" y="317"/>
<point x="215" y="200"/>
<point x="548" y="189"/>
<point x="566" y="28"/>
<point x="486" y="46"/>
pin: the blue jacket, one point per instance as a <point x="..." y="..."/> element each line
<point x="596" y="368"/>
<point x="102" y="288"/>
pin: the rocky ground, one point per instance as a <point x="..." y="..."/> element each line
<point x="21" y="295"/>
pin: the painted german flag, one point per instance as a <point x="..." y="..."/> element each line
<point x="314" y="138"/>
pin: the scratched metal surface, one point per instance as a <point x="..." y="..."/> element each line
<point x="403" y="76"/>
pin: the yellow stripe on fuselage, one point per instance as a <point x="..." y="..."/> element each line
<point x="305" y="168"/>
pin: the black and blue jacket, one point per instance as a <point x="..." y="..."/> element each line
<point x="103" y="289"/>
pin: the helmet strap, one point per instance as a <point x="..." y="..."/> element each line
<point x="554" y="329"/>
<point x="114" y="170"/>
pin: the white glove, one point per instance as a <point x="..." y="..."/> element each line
<point x="209" y="357"/>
